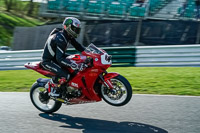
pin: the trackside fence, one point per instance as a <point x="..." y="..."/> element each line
<point x="139" y="56"/>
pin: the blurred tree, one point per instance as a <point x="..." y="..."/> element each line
<point x="30" y="8"/>
<point x="9" y="4"/>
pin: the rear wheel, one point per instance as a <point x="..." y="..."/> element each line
<point x="41" y="100"/>
<point x="120" y="94"/>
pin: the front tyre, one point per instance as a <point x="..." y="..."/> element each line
<point x="120" y="94"/>
<point x="41" y="100"/>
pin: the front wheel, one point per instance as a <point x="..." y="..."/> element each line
<point x="41" y="100"/>
<point x="120" y="94"/>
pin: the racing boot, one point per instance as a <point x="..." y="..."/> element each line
<point x="62" y="81"/>
<point x="53" y="89"/>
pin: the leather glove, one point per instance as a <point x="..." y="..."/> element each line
<point x="79" y="67"/>
<point x="74" y="66"/>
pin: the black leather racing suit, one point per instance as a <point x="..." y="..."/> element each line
<point x="54" y="57"/>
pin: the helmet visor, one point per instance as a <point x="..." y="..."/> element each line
<point x="77" y="30"/>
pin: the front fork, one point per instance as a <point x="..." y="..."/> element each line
<point x="106" y="79"/>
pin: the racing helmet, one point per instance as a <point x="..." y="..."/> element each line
<point x="72" y="26"/>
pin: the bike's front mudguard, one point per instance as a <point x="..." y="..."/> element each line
<point x="107" y="78"/>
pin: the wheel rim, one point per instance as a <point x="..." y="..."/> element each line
<point x="44" y="106"/>
<point x="117" y="95"/>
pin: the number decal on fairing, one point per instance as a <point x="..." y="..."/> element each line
<point x="104" y="59"/>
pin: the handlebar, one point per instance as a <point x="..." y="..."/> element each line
<point x="89" y="61"/>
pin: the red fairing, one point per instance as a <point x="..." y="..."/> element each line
<point x="85" y="80"/>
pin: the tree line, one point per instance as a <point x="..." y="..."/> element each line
<point x="27" y="8"/>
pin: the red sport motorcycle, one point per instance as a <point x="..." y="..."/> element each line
<point x="89" y="85"/>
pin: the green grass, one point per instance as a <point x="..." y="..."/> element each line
<point x="17" y="80"/>
<point x="150" y="80"/>
<point x="163" y="80"/>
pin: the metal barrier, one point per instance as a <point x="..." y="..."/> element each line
<point x="179" y="55"/>
<point x="15" y="60"/>
<point x="140" y="56"/>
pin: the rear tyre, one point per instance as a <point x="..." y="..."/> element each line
<point x="41" y="100"/>
<point x="121" y="93"/>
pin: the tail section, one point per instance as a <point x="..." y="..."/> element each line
<point x="36" y="66"/>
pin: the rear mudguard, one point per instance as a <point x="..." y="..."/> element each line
<point x="107" y="78"/>
<point x="42" y="81"/>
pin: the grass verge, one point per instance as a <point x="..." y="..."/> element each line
<point x="148" y="80"/>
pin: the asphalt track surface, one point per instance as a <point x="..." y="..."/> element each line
<point x="143" y="114"/>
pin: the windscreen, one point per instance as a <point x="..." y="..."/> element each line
<point x="93" y="49"/>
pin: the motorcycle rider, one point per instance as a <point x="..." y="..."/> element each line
<point x="54" y="57"/>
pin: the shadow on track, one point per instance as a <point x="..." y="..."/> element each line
<point x="88" y="125"/>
